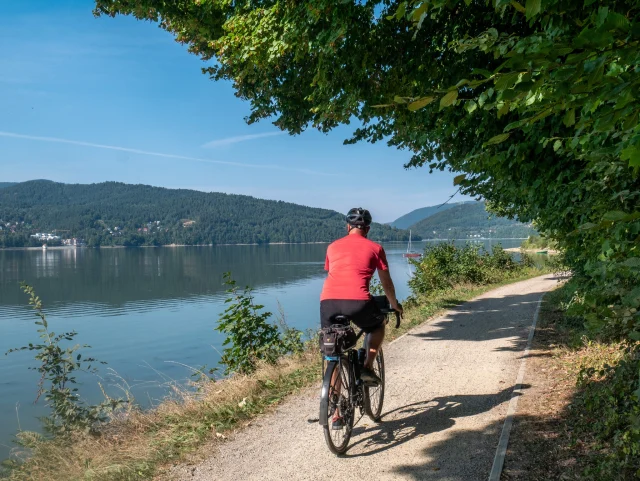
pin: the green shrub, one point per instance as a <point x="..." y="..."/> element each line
<point x="539" y="242"/>
<point x="57" y="366"/>
<point x="250" y="337"/>
<point x="608" y="409"/>
<point x="605" y="413"/>
<point x="375" y="287"/>
<point x="443" y="266"/>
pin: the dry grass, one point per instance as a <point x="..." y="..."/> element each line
<point x="134" y="446"/>
<point x="145" y="444"/>
<point x="544" y="444"/>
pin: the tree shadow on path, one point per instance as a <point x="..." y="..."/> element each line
<point x="487" y="319"/>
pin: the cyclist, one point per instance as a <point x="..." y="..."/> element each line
<point x="351" y="262"/>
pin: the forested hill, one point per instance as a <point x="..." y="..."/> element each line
<point x="468" y="220"/>
<point x="407" y="220"/>
<point x="113" y="213"/>
<point x="6" y="184"/>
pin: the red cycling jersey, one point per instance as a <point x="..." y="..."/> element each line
<point x="351" y="261"/>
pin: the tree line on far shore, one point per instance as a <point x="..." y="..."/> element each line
<point x="112" y="213"/>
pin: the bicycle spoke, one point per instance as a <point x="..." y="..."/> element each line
<point x="340" y="407"/>
<point x="374" y="395"/>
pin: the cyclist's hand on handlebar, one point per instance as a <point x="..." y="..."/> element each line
<point x="398" y="308"/>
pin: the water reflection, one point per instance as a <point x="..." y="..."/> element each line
<point x="68" y="279"/>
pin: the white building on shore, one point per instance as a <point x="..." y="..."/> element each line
<point x="45" y="236"/>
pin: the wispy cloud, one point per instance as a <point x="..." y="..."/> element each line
<point x="158" y="154"/>
<point x="239" y="138"/>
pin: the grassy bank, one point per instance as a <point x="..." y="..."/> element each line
<point x="580" y="420"/>
<point x="142" y="444"/>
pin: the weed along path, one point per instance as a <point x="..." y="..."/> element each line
<point x="449" y="383"/>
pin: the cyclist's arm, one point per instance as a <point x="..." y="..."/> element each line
<point x="389" y="288"/>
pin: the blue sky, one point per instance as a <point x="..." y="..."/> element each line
<point x="88" y="100"/>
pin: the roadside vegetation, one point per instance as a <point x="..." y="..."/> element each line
<point x="539" y="242"/>
<point x="582" y="422"/>
<point x="266" y="363"/>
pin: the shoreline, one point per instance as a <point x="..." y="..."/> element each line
<point x="511" y="249"/>
<point x="52" y="248"/>
<point x="532" y="251"/>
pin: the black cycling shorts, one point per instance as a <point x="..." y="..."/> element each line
<point x="364" y="314"/>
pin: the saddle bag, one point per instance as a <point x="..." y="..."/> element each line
<point x="336" y="339"/>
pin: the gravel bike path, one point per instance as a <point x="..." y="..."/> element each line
<point x="448" y="386"/>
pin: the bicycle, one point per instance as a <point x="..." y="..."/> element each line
<point x="348" y="392"/>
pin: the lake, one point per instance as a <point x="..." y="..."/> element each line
<point x="149" y="312"/>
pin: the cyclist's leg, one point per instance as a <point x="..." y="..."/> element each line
<point x="372" y="344"/>
<point x="372" y="321"/>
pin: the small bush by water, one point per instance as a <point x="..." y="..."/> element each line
<point x="250" y="337"/>
<point x="443" y="266"/>
<point x="57" y="366"/>
<point x="539" y="242"/>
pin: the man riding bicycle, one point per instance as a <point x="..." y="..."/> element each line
<point x="351" y="262"/>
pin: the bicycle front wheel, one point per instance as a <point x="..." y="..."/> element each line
<point x="374" y="396"/>
<point x="340" y="407"/>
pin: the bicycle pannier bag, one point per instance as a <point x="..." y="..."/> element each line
<point x="335" y="340"/>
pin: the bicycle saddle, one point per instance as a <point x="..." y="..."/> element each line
<point x="340" y="319"/>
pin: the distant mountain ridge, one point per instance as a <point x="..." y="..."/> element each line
<point x="6" y="184"/>
<point x="113" y="213"/>
<point x="469" y="220"/>
<point x="407" y="220"/>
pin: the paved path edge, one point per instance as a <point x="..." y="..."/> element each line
<point x="503" y="443"/>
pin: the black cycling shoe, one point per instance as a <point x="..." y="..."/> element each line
<point x="369" y="377"/>
<point x="337" y="424"/>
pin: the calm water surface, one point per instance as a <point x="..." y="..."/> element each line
<point x="148" y="312"/>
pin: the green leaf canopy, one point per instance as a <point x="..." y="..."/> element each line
<point x="536" y="103"/>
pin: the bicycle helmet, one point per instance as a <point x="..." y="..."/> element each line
<point x="359" y="217"/>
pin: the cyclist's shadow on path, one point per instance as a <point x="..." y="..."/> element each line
<point x="405" y="423"/>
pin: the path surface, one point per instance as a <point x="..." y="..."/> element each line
<point x="448" y="386"/>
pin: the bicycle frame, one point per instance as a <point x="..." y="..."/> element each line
<point x="351" y="358"/>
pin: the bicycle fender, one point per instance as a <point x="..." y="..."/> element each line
<point x="324" y="396"/>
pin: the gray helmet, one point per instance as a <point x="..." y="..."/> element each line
<point x="359" y="217"/>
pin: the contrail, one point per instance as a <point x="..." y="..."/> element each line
<point x="240" y="138"/>
<point x="157" y="154"/>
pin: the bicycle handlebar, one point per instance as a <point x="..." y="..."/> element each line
<point x="398" y="317"/>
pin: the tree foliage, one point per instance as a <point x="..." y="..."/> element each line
<point x="535" y="103"/>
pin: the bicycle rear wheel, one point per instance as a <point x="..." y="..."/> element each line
<point x="374" y="396"/>
<point x="340" y="400"/>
